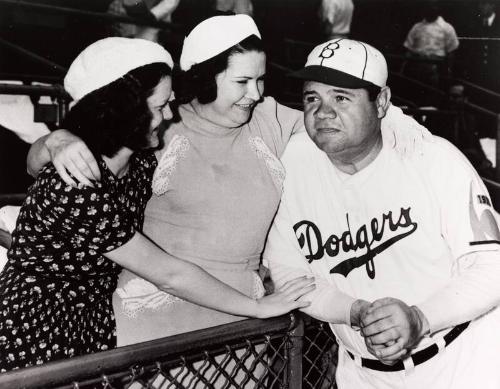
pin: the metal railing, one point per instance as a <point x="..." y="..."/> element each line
<point x="292" y="351"/>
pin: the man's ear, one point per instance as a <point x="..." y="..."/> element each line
<point x="383" y="101"/>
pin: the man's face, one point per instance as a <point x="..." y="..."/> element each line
<point x="342" y="122"/>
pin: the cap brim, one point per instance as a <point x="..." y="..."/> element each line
<point x="330" y="76"/>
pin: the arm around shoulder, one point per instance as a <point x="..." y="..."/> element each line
<point x="69" y="154"/>
<point x="38" y="156"/>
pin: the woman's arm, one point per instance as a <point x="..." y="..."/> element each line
<point x="38" y="156"/>
<point x="68" y="153"/>
<point x="192" y="283"/>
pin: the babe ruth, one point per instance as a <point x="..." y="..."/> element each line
<point x="405" y="250"/>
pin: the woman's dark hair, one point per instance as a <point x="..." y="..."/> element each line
<point x="199" y="81"/>
<point x="117" y="115"/>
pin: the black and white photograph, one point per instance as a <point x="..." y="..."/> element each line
<point x="266" y="194"/>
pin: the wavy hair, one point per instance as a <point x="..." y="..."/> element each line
<point x="117" y="115"/>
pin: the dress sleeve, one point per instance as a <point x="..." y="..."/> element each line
<point x="91" y="218"/>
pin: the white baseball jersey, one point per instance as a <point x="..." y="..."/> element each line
<point x="398" y="228"/>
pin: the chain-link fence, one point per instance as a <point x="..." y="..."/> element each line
<point x="291" y="351"/>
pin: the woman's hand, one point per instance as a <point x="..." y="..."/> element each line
<point x="70" y="155"/>
<point x="286" y="299"/>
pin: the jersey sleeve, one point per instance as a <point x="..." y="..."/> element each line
<point x="285" y="261"/>
<point x="87" y="217"/>
<point x="469" y="223"/>
<point x="470" y="228"/>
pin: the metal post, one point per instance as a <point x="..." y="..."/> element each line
<point x="294" y="351"/>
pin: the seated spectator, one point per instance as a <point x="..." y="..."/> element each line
<point x="430" y="45"/>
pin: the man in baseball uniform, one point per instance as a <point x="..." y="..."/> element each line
<point x="405" y="251"/>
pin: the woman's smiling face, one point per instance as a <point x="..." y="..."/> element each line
<point x="239" y="89"/>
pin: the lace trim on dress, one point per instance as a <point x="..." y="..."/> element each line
<point x="176" y="150"/>
<point x="139" y="294"/>
<point x="273" y="164"/>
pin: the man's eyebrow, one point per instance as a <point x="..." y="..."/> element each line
<point x="249" y="77"/>
<point x="343" y="91"/>
<point x="308" y="92"/>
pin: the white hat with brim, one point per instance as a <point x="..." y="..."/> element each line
<point x="107" y="60"/>
<point x="214" y="36"/>
<point x="345" y="63"/>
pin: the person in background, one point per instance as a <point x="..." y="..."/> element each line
<point x="431" y="44"/>
<point x="336" y="18"/>
<point x="405" y="252"/>
<point x="153" y="10"/>
<point x="70" y="242"/>
<point x="482" y="56"/>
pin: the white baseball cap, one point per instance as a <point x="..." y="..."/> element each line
<point x="345" y="63"/>
<point x="215" y="35"/>
<point x="107" y="60"/>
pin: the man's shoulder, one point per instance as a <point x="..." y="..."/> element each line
<point x="301" y="154"/>
<point x="300" y="144"/>
<point x="438" y="152"/>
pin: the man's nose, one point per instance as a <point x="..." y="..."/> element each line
<point x="326" y="111"/>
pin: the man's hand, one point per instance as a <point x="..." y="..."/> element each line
<point x="358" y="310"/>
<point x="70" y="155"/>
<point x="391" y="329"/>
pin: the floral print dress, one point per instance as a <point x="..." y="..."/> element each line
<point x="56" y="289"/>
